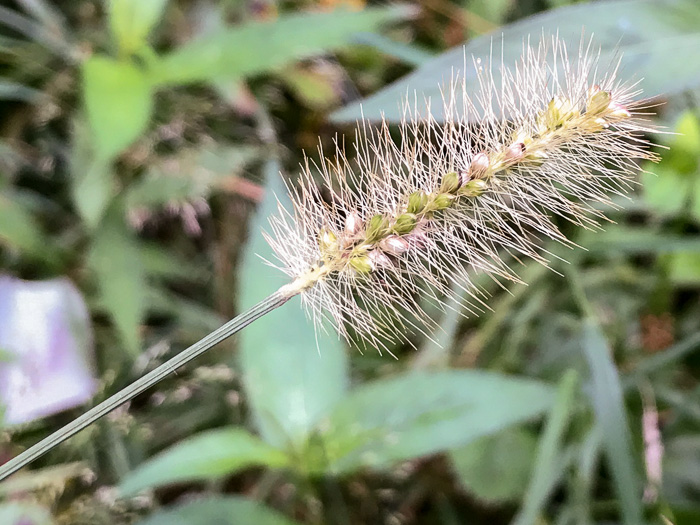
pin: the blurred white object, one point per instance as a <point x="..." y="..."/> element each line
<point x="46" y="349"/>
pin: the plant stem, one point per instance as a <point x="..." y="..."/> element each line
<point x="265" y="306"/>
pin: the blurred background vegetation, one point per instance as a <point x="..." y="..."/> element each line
<point x="140" y="146"/>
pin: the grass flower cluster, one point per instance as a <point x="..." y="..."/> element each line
<point x="554" y="137"/>
<point x="408" y="222"/>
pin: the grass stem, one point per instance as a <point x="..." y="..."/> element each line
<point x="236" y="324"/>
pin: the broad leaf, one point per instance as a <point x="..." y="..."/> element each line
<point x="492" y="10"/>
<point x="695" y="201"/>
<point x="292" y="375"/>
<point x="496" y="468"/>
<point x="669" y="186"/>
<point x="132" y="20"/>
<point x="115" y="259"/>
<point x="665" y="190"/>
<point x="118" y="102"/>
<point x="657" y="41"/>
<point x="219" y="511"/>
<point x="207" y="456"/>
<point x="683" y="154"/>
<point x="258" y="47"/>
<point x="422" y="413"/>
<point x="410" y="54"/>
<point x="93" y="190"/>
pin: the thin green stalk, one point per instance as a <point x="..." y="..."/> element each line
<point x="265" y="306"/>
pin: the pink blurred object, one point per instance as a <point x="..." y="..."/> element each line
<point x="46" y="349"/>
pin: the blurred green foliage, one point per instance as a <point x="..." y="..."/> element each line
<point x="138" y="137"/>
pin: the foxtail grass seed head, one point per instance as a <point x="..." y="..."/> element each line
<point x="411" y="218"/>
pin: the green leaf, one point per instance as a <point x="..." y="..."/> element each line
<point x="695" y="201"/>
<point x="668" y="186"/>
<point x="219" y="511"/>
<point x="93" y="190"/>
<point x="291" y="374"/>
<point x="115" y="259"/>
<point x="635" y="240"/>
<point x="317" y="89"/>
<point x="685" y="514"/>
<point x="132" y="20"/>
<point x="422" y="413"/>
<point x="259" y="47"/>
<point x="408" y="53"/>
<point x="684" y="269"/>
<point x="549" y="462"/>
<point x="207" y="456"/>
<point x="684" y="148"/>
<point x="496" y="468"/>
<point x="18" y="227"/>
<point x="608" y="404"/>
<point x="656" y="41"/>
<point x="93" y="179"/>
<point x="118" y="102"/>
<point x="493" y="10"/>
<point x="665" y="190"/>
<point x="688" y="138"/>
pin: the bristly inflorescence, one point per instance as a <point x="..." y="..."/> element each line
<point x="417" y="216"/>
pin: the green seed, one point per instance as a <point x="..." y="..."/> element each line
<point x="405" y="223"/>
<point x="536" y="158"/>
<point x="473" y="188"/>
<point x="598" y="103"/>
<point x="442" y="201"/>
<point x="450" y="183"/>
<point x="327" y="241"/>
<point x="377" y="227"/>
<point x="361" y="264"/>
<point x="417" y="201"/>
<point x="559" y="111"/>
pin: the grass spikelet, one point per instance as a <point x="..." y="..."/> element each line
<point x="412" y="217"/>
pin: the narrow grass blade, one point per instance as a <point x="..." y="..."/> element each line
<point x="609" y="407"/>
<point x="550" y="459"/>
